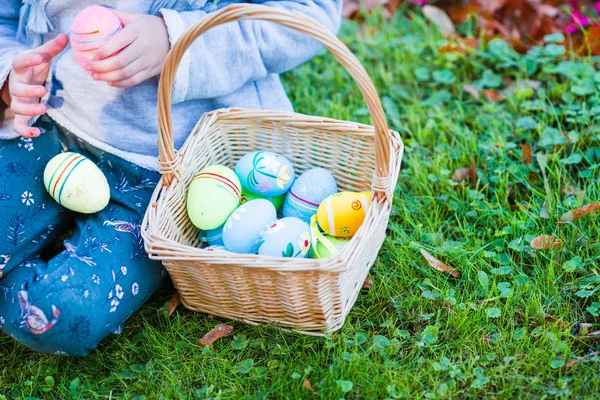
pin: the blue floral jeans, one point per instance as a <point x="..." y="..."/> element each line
<point x="64" y="299"/>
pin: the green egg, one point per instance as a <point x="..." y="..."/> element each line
<point x="321" y="250"/>
<point x="249" y="196"/>
<point x="213" y="195"/>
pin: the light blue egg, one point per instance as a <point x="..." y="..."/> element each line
<point x="213" y="237"/>
<point x="243" y="229"/>
<point x="265" y="173"/>
<point x="288" y="237"/>
<point x="307" y="192"/>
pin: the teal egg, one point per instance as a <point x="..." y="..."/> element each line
<point x="214" y="237"/>
<point x="288" y="237"/>
<point x="265" y="173"/>
<point x="307" y="193"/>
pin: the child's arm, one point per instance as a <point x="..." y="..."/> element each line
<point x="228" y="56"/>
<point x="22" y="72"/>
<point x="9" y="22"/>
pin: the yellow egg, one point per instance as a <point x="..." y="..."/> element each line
<point x="343" y="213"/>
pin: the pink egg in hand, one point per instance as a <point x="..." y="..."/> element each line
<point x="91" y="29"/>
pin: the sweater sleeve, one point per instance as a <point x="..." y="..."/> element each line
<point x="9" y="47"/>
<point x="226" y="57"/>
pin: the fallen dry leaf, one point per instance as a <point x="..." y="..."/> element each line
<point x="367" y="283"/>
<point x="591" y="336"/>
<point x="473" y="172"/>
<point x="460" y="45"/>
<point x="439" y="18"/>
<point x="583" y="329"/>
<point x="215" y="334"/>
<point x="173" y="303"/>
<point x="527" y="154"/>
<point x="556" y="321"/>
<point x="576" y="361"/>
<point x="437" y="264"/>
<point x="545" y="242"/>
<point x="306" y="385"/>
<point x="461" y="174"/>
<point x="574" y="215"/>
<point x="493" y="96"/>
<point x="472" y="90"/>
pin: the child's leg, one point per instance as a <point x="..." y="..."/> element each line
<point x="29" y="219"/>
<point x="68" y="305"/>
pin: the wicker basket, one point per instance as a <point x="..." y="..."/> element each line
<point x="305" y="295"/>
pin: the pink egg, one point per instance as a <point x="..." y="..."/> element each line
<point x="91" y="29"/>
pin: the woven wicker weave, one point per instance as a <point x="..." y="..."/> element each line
<point x="306" y="295"/>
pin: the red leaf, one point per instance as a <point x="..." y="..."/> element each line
<point x="306" y="384"/>
<point x="574" y="215"/>
<point x="493" y="96"/>
<point x="215" y="334"/>
<point x="527" y="154"/>
<point x="437" y="264"/>
<point x="545" y="242"/>
<point x="556" y="321"/>
<point x="173" y="303"/>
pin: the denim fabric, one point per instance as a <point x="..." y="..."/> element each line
<point x="234" y="65"/>
<point x="65" y="300"/>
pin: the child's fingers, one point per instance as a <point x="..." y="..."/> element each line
<point x="28" y="109"/>
<point x="118" y="61"/>
<point x="125" y="17"/>
<point x="133" y="81"/>
<point x="19" y="89"/>
<point x="20" y="125"/>
<point x="119" y="42"/>
<point x="121" y="74"/>
<point x="26" y="60"/>
<point x="54" y="46"/>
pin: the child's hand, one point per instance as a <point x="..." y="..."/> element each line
<point x="142" y="47"/>
<point x="26" y="84"/>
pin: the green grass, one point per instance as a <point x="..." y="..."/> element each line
<point x="417" y="333"/>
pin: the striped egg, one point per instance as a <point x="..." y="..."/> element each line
<point x="91" y="29"/>
<point x="76" y="183"/>
<point x="343" y="213"/>
<point x="307" y="193"/>
<point x="214" y="237"/>
<point x="213" y="195"/>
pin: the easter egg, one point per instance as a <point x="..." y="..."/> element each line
<point x="216" y="248"/>
<point x="307" y="193"/>
<point x="265" y="173"/>
<point x="288" y="237"/>
<point x="327" y="246"/>
<point x="214" y="237"/>
<point x="213" y="195"/>
<point x="91" y="29"/>
<point x="343" y="213"/>
<point x="243" y="229"/>
<point x="249" y="196"/>
<point x="76" y="183"/>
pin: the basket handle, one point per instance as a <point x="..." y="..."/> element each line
<point x="294" y="20"/>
